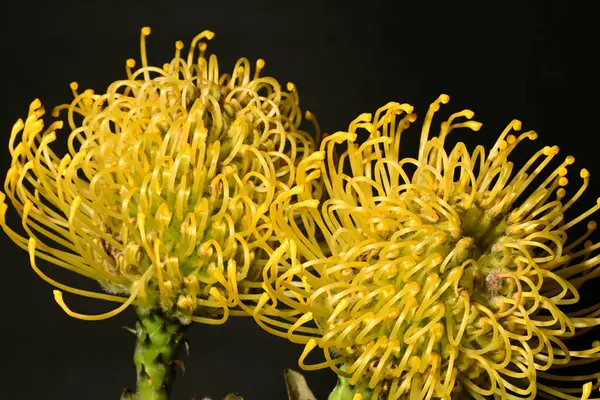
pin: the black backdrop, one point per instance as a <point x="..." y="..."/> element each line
<point x="527" y="60"/>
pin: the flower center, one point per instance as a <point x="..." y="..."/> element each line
<point x="483" y="229"/>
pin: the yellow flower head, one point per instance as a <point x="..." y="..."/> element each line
<point x="448" y="275"/>
<point x="163" y="194"/>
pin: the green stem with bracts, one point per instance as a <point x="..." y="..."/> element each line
<point x="159" y="338"/>
<point x="345" y="391"/>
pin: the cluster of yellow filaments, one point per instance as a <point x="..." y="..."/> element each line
<point x="444" y="276"/>
<point x="163" y="195"/>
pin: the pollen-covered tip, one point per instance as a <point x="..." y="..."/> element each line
<point x="18" y="126"/>
<point x="592" y="225"/>
<point x="35" y="104"/>
<point x="207" y="34"/>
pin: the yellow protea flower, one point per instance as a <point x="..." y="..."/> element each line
<point x="163" y="194"/>
<point x="449" y="275"/>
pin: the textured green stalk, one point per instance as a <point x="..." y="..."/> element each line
<point x="345" y="391"/>
<point x="158" y="340"/>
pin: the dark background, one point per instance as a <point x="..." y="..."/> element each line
<point x="528" y="60"/>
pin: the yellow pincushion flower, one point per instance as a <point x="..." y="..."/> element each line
<point x="449" y="275"/>
<point x="163" y="194"/>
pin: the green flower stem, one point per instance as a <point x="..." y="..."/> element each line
<point x="158" y="340"/>
<point x="345" y="391"/>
